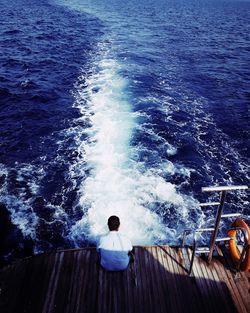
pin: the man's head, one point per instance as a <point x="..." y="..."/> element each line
<point x="113" y="223"/>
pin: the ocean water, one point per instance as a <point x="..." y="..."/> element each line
<point x="119" y="107"/>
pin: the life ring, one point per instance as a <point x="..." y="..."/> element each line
<point x="245" y="266"/>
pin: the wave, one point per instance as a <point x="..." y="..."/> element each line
<point x="116" y="183"/>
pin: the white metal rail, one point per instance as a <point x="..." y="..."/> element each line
<point x="214" y="230"/>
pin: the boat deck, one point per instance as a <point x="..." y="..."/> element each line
<point x="71" y="281"/>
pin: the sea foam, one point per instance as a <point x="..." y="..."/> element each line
<point x="116" y="184"/>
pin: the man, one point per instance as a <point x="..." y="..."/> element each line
<point x="114" y="248"/>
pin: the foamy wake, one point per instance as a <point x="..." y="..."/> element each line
<point x="19" y="201"/>
<point x="20" y="187"/>
<point x="115" y="183"/>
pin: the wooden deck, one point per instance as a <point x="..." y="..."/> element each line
<point x="71" y="281"/>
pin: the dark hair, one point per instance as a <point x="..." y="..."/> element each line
<point x="113" y="222"/>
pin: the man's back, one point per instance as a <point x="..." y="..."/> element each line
<point x="114" y="249"/>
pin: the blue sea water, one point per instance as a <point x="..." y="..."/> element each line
<point x="122" y="107"/>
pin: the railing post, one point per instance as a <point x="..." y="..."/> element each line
<point x="217" y="223"/>
<point x="192" y="257"/>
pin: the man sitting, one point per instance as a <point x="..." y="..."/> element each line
<point x="114" y="248"/>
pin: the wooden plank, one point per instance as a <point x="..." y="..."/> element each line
<point x="191" y="291"/>
<point x="138" y="298"/>
<point x="84" y="279"/>
<point x="45" y="275"/>
<point x="122" y="295"/>
<point x="125" y="298"/>
<point x="158" y="277"/>
<point x="52" y="282"/>
<point x="228" y="267"/>
<point x="216" y="297"/>
<point x="109" y="298"/>
<point x="59" y="302"/>
<point x="30" y="289"/>
<point x="52" y="287"/>
<point x="240" y="278"/>
<point x="213" y="295"/>
<point x="173" y="260"/>
<point x="108" y="305"/>
<point x="100" y="290"/>
<point x="164" y="282"/>
<point x="209" y="285"/>
<point x="222" y="290"/>
<point x="146" y="300"/>
<point x="12" y="278"/>
<point x="186" y="263"/>
<point x="114" y="296"/>
<point x="21" y="298"/>
<point x="71" y="281"/>
<point x="130" y="288"/>
<point x="115" y="292"/>
<point x="187" y="294"/>
<point x="152" y="282"/>
<point x="201" y="285"/>
<point x="220" y="270"/>
<point x="72" y="290"/>
<point x="74" y="282"/>
<point x="91" y="290"/>
<point x="150" y="290"/>
<point x="173" y="290"/>
<point x="239" y="287"/>
<point x="103" y="291"/>
<point x="37" y="286"/>
<point x="188" y="290"/>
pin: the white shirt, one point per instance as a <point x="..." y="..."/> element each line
<point x="114" y="249"/>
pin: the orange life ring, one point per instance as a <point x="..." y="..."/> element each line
<point x="233" y="244"/>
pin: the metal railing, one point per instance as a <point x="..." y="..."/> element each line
<point x="215" y="229"/>
<point x="223" y="190"/>
<point x="194" y="245"/>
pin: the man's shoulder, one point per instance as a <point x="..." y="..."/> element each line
<point x="104" y="237"/>
<point x="126" y="240"/>
<point x="111" y="237"/>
